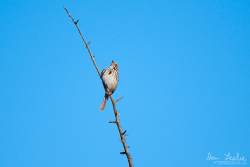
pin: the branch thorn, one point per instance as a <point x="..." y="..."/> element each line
<point x="123" y="152"/>
<point x="112" y="122"/>
<point x="76" y="22"/>
<point x="124" y="132"/>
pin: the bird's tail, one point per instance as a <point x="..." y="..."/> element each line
<point x="106" y="97"/>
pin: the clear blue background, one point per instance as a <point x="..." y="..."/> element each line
<point x="184" y="75"/>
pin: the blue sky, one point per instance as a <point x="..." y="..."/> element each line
<point x="184" y="75"/>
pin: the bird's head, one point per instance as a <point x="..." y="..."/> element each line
<point x="114" y="65"/>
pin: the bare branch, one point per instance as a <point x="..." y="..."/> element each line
<point x="116" y="113"/>
<point x="84" y="41"/>
<point x="122" y="137"/>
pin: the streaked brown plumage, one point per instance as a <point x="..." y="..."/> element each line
<point x="110" y="78"/>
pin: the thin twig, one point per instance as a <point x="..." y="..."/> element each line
<point x="84" y="41"/>
<point x="116" y="113"/>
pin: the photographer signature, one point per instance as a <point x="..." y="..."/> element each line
<point x="227" y="159"/>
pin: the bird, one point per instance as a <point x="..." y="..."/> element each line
<point x="110" y="79"/>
